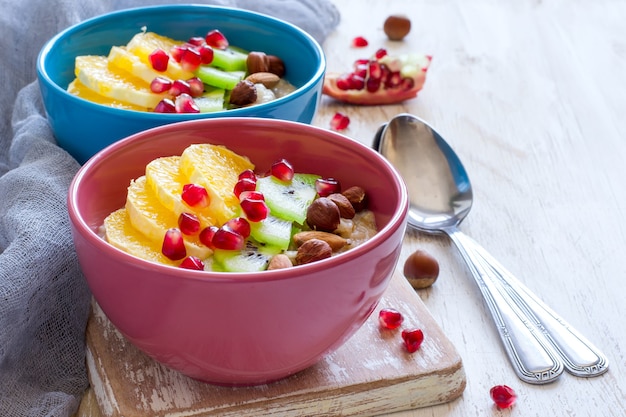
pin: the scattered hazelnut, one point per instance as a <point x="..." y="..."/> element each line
<point x="276" y="65"/>
<point x="357" y="197"/>
<point x="335" y="242"/>
<point x="313" y="250"/>
<point x="421" y="269"/>
<point x="396" y="27"/>
<point x="346" y="210"/>
<point x="279" y="261"/>
<point x="323" y="215"/>
<point x="268" y="79"/>
<point x="257" y="62"/>
<point x="243" y="94"/>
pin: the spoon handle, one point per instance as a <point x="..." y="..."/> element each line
<point x="580" y="357"/>
<point x="530" y="354"/>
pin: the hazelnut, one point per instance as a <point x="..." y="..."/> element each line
<point x="335" y="242"/>
<point x="257" y="62"/>
<point x="421" y="269"/>
<point x="279" y="261"/>
<point x="313" y="250"/>
<point x="346" y="210"/>
<point x="323" y="215"/>
<point x="243" y="94"/>
<point x="276" y="65"/>
<point x="268" y="79"/>
<point x="357" y="197"/>
<point x="396" y="27"/>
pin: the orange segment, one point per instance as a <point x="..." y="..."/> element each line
<point x="145" y="43"/>
<point x="78" y="89"/>
<point x="152" y="219"/>
<point x="217" y="169"/>
<point x="164" y="178"/>
<point x="121" y="58"/>
<point x="120" y="233"/>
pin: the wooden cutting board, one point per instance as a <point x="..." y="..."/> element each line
<point x="370" y="375"/>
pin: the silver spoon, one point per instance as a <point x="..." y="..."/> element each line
<point x="539" y="343"/>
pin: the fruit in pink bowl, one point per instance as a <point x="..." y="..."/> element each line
<point x="235" y="328"/>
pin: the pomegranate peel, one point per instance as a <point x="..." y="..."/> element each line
<point x="383" y="79"/>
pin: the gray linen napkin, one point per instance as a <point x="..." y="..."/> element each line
<point x="44" y="301"/>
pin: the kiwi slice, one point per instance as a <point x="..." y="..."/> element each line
<point x="229" y="60"/>
<point x="253" y="257"/>
<point x="289" y="200"/>
<point x="218" y="78"/>
<point x="272" y="231"/>
<point x="212" y="100"/>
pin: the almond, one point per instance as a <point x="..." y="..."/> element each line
<point x="268" y="79"/>
<point x="257" y="62"/>
<point x="336" y="242"/>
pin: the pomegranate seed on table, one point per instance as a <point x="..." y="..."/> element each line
<point x="185" y="104"/>
<point x="206" y="236"/>
<point x="216" y="39"/>
<point x="195" y="195"/>
<point x="188" y="223"/>
<point x="227" y="239"/>
<point x="244" y="184"/>
<point x="359" y="42"/>
<point x="339" y="121"/>
<point x="255" y="209"/>
<point x="192" y="262"/>
<point x="165" y="106"/>
<point x="327" y="186"/>
<point x="239" y="225"/>
<point x="282" y="170"/>
<point x="159" y="60"/>
<point x="380" y="53"/>
<point x="503" y="396"/>
<point x="390" y="318"/>
<point x="173" y="245"/>
<point x="160" y="85"/>
<point x="413" y="339"/>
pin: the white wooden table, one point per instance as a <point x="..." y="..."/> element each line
<point x="532" y="95"/>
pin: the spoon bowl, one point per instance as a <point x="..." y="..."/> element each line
<point x="539" y="343"/>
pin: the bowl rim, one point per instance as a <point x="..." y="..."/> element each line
<point x="45" y="50"/>
<point x="396" y="220"/>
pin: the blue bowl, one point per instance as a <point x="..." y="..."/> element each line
<point x="83" y="128"/>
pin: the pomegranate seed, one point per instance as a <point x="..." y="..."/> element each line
<point x="173" y="245"/>
<point x="249" y="174"/>
<point x="343" y="82"/>
<point x="252" y="195"/>
<point x="254" y="209"/>
<point x="159" y="60"/>
<point x="407" y="83"/>
<point x="188" y="223"/>
<point x="196" y="41"/>
<point x="216" y="39"/>
<point x="239" y="225"/>
<point x="327" y="186"/>
<point x="412" y="339"/>
<point x="382" y="52"/>
<point x="195" y="195"/>
<point x="339" y="121"/>
<point x="160" y="85"/>
<point x="375" y="70"/>
<point x="180" y="87"/>
<point x="206" y="54"/>
<point x="186" y="104"/>
<point x="177" y="52"/>
<point x="192" y="262"/>
<point x="503" y="396"/>
<point x="356" y="82"/>
<point x="244" y="184"/>
<point x="191" y="60"/>
<point x="373" y="84"/>
<point x="206" y="236"/>
<point x="282" y="170"/>
<point x="359" y="42"/>
<point x="393" y="80"/>
<point x="196" y="87"/>
<point x="390" y="318"/>
<point x="227" y="239"/>
<point x="165" y="106"/>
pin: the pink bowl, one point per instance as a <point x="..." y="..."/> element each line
<point x="238" y="328"/>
